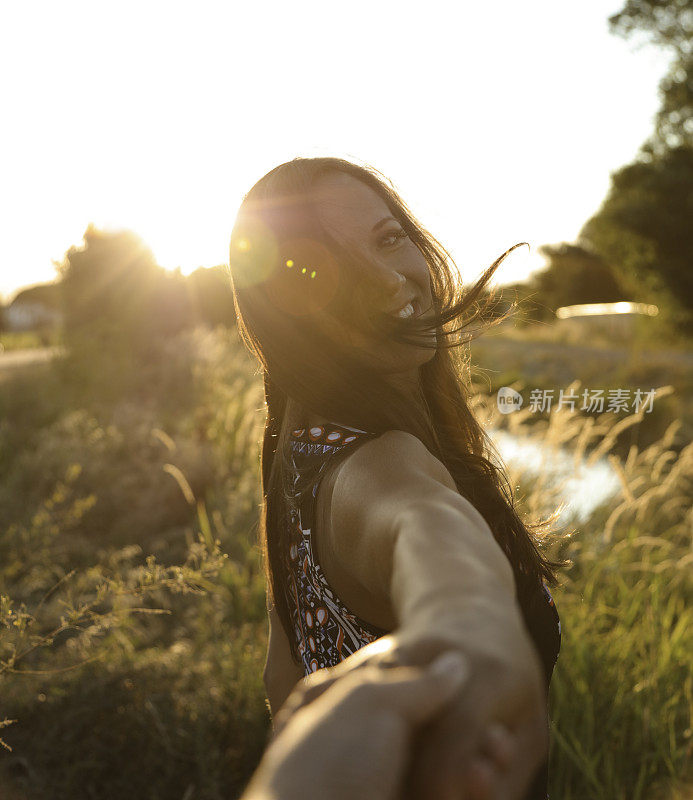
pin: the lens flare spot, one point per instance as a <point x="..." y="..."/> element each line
<point x="243" y="245"/>
<point x="289" y="263"/>
<point x="289" y="291"/>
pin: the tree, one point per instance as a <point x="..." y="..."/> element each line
<point x="644" y="233"/>
<point x="575" y="274"/>
<point x="116" y="296"/>
<point x="211" y="296"/>
<point x="170" y="307"/>
<point x="668" y="24"/>
<point x="48" y="294"/>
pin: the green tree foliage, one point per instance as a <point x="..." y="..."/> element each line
<point x="575" y="273"/>
<point x="48" y="294"/>
<point x="114" y="294"/>
<point x="170" y="310"/>
<point x="211" y="297"/>
<point x="643" y="231"/>
<point x="668" y="24"/>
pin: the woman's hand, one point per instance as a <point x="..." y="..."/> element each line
<point x="354" y="740"/>
<point x="492" y="736"/>
<point x="489" y="742"/>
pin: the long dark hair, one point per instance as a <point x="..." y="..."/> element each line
<point x="290" y="278"/>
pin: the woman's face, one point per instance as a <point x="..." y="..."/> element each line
<point x="356" y="216"/>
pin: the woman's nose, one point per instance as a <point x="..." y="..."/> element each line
<point x="384" y="289"/>
<point x="393" y="282"/>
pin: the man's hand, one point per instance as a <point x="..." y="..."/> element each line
<point x="353" y="741"/>
<point x="492" y="736"/>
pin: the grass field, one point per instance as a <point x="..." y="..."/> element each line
<point x="132" y="624"/>
<point x="11" y="340"/>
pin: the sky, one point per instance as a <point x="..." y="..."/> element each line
<point x="498" y="123"/>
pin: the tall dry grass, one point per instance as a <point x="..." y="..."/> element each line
<point x="622" y="692"/>
<point x="132" y="631"/>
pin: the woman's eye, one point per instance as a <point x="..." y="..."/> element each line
<point x="391" y="238"/>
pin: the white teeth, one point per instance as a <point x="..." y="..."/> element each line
<point x="405" y="312"/>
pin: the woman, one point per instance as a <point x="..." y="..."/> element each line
<point x="387" y="529"/>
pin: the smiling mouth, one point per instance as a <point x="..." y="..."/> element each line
<point x="415" y="306"/>
<point x="385" y="319"/>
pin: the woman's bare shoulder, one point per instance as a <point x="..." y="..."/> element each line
<point x="377" y="481"/>
<point x="391" y="456"/>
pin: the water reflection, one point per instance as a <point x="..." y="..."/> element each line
<point x="584" y="487"/>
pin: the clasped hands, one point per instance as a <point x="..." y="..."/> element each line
<point x="411" y="717"/>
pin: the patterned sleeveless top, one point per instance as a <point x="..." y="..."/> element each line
<point x="326" y="630"/>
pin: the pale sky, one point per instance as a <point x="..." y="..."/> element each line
<point x="498" y="122"/>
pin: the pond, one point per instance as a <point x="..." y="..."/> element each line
<point x="585" y="487"/>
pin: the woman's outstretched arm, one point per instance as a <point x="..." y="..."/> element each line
<point x="400" y="527"/>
